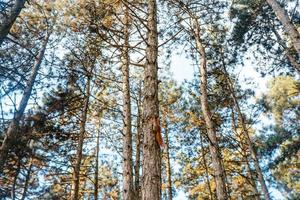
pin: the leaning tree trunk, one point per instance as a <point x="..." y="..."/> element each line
<point x="246" y="156"/>
<point x="128" y="190"/>
<point x="151" y="186"/>
<point x="246" y="135"/>
<point x="251" y="177"/>
<point x="76" y="178"/>
<point x="7" y="23"/>
<point x="12" y="130"/>
<point x="289" y="28"/>
<point x="219" y="171"/>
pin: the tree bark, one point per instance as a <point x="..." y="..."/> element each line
<point x="247" y="137"/>
<point x="128" y="189"/>
<point x="138" y="148"/>
<point x="76" y="178"/>
<point x="12" y="130"/>
<point x="289" y="28"/>
<point x="167" y="150"/>
<point x="151" y="186"/>
<point x="219" y="172"/>
<point x="11" y="18"/>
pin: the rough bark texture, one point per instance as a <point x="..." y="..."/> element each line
<point x="128" y="190"/>
<point x="219" y="171"/>
<point x="151" y="186"/>
<point x="76" y="177"/>
<point x="11" y="18"/>
<point x="248" y="139"/>
<point x="12" y="131"/>
<point x="289" y="28"/>
<point x="167" y="150"/>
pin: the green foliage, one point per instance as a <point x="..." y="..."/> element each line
<point x="282" y="144"/>
<point x="283" y="96"/>
<point x="245" y="13"/>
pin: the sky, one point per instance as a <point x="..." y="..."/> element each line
<point x="182" y="68"/>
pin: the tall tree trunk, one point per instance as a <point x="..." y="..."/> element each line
<point x="11" y="18"/>
<point x="289" y="28"/>
<point x="76" y="178"/>
<point x="27" y="179"/>
<point x="151" y="186"/>
<point x="247" y="137"/>
<point x="128" y="190"/>
<point x="96" y="183"/>
<point x="168" y="164"/>
<point x="219" y="171"/>
<point x="12" y="130"/>
<point x="138" y="147"/>
<point x="211" y="196"/>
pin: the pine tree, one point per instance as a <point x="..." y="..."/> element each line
<point x="151" y="149"/>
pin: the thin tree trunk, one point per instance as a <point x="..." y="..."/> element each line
<point x="289" y="28"/>
<point x="11" y="18"/>
<point x="168" y="164"/>
<point x="12" y="130"/>
<point x="77" y="166"/>
<point x="219" y="171"/>
<point x="138" y="148"/>
<point x="27" y="180"/>
<point x="128" y="190"/>
<point x="246" y="157"/>
<point x="247" y="137"/>
<point x="211" y="196"/>
<point x="251" y="177"/>
<point x="151" y="186"/>
<point x="96" y="182"/>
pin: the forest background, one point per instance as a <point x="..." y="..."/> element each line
<point x="169" y="99"/>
